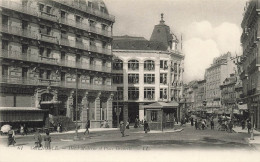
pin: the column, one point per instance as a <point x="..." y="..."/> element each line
<point x="70" y="105"/>
<point x="97" y="107"/>
<point x="37" y="98"/>
<point x="125" y="112"/>
<point x="84" y="111"/>
<point x="141" y="111"/>
<point x="109" y="112"/>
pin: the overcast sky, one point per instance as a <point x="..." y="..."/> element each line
<point x="209" y="27"/>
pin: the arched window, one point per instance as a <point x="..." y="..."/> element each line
<point x="149" y="65"/>
<point x="117" y="64"/>
<point x="133" y="65"/>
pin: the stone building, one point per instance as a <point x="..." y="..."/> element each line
<point x="221" y="68"/>
<point x="146" y="71"/>
<point x="53" y="51"/>
<point x="250" y="74"/>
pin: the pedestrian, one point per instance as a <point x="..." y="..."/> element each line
<point x="87" y="127"/>
<point x="196" y="124"/>
<point x="11" y="137"/>
<point x="122" y="128"/>
<point x="136" y="123"/>
<point x="38" y="139"/>
<point x="191" y="120"/>
<point x="22" y="130"/>
<point x="146" y="126"/>
<point x="230" y="125"/>
<point x="127" y="125"/>
<point x="47" y="140"/>
<point x="243" y="124"/>
<point x="249" y="126"/>
<point x="212" y="124"/>
<point x="25" y="129"/>
<point x="203" y="124"/>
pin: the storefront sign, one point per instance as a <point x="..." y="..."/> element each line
<point x="17" y="90"/>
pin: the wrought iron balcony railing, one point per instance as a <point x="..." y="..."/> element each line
<point x="17" y="55"/>
<point x="55" y="83"/>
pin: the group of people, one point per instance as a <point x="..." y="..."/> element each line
<point x="200" y="124"/>
<point x="124" y="126"/>
<point x="248" y="124"/>
<point x="38" y="140"/>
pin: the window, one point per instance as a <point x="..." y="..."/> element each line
<point x="149" y="78"/>
<point x="102" y="9"/>
<point x="119" y="94"/>
<point x="24" y="72"/>
<point x="104" y="44"/>
<point x="24" y="48"/>
<point x="24" y="24"/>
<point x="104" y="27"/>
<point x="4" y="44"/>
<point x="48" y="30"/>
<point x="41" y="51"/>
<point x="48" y="54"/>
<point x="133" y="78"/>
<point x="118" y="64"/>
<point x="90" y="4"/>
<point x="163" y="64"/>
<point x="154" y="115"/>
<point x="48" y="74"/>
<point x="149" y="65"/>
<point x="91" y="61"/>
<point x="133" y="65"/>
<point x="78" y="19"/>
<point x="48" y="9"/>
<point x="64" y="34"/>
<point x="133" y="93"/>
<point x="41" y="6"/>
<point x="104" y="63"/>
<point x="41" y="73"/>
<point x="118" y="78"/>
<point x="92" y="42"/>
<point x="63" y="14"/>
<point x="91" y="23"/>
<point x="163" y="78"/>
<point x="4" y="70"/>
<point x="163" y="93"/>
<point x="78" y="38"/>
<point x="4" y="20"/>
<point x="149" y="93"/>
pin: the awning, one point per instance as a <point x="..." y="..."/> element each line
<point x="21" y="114"/>
<point x="242" y="107"/>
<point x="49" y="102"/>
<point x="172" y="104"/>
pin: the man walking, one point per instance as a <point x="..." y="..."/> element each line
<point x="87" y="127"/>
<point x="249" y="126"/>
<point x="212" y="124"/>
<point x="122" y="128"/>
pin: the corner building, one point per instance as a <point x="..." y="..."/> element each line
<point x="146" y="71"/>
<point x="50" y="48"/>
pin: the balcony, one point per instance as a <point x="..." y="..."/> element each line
<point x="19" y="31"/>
<point x="100" y="50"/>
<point x="55" y="83"/>
<point x="48" y="38"/>
<point x="74" y="23"/>
<point x="48" y="16"/>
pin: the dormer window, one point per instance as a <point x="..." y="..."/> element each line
<point x="90" y="4"/>
<point x="102" y="9"/>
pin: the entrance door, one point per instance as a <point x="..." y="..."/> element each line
<point x="133" y="111"/>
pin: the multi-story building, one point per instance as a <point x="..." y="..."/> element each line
<point x="250" y="75"/>
<point x="146" y="71"/>
<point x="228" y="95"/>
<point x="190" y="95"/>
<point x="201" y="94"/>
<point x="54" y="52"/>
<point x="221" y="68"/>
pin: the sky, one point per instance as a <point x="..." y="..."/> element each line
<point x="209" y="28"/>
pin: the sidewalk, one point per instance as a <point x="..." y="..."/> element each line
<point x="70" y="132"/>
<point x="255" y="142"/>
<point x="164" y="131"/>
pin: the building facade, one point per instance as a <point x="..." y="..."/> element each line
<point x="56" y="55"/>
<point x="201" y="94"/>
<point x="250" y="74"/>
<point x="221" y="68"/>
<point x="146" y="71"/>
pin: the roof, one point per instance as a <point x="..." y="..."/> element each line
<point x="127" y="37"/>
<point x="20" y="109"/>
<point x="172" y="104"/>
